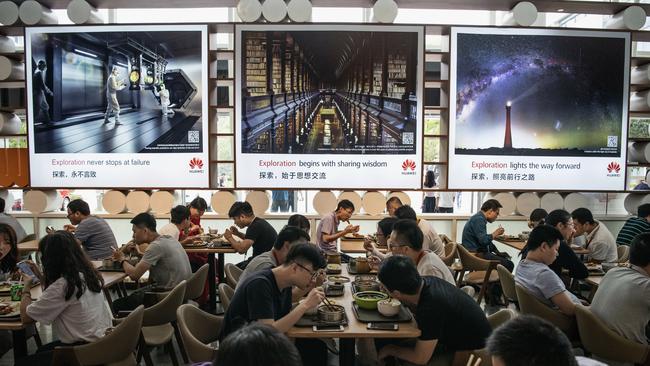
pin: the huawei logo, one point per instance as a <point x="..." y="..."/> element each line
<point x="196" y="163"/>
<point x="613" y="167"/>
<point x="408" y="164"/>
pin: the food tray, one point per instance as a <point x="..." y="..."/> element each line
<point x="351" y="237"/>
<point x="5" y="288"/>
<point x="355" y="289"/>
<point x="338" y="279"/>
<point x="373" y="316"/>
<point x="330" y="292"/>
<point x="311" y="320"/>
<point x="354" y="272"/>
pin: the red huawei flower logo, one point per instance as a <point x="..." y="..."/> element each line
<point x="196" y="163"/>
<point x="408" y="164"/>
<point x="613" y="167"/>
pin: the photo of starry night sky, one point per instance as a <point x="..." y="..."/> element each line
<point x="566" y="94"/>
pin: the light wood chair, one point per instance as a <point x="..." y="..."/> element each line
<point x="529" y="304"/>
<point x="481" y="271"/>
<point x="116" y="348"/>
<point x="157" y="328"/>
<point x="623" y="253"/>
<point x="225" y="295"/>
<point x="507" y="285"/>
<point x="451" y="253"/>
<point x="198" y="330"/>
<point x="232" y="273"/>
<point x="603" y="342"/>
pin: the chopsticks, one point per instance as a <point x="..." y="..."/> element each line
<point x="329" y="304"/>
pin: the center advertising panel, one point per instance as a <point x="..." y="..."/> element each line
<point x="328" y="106"/>
<point x="538" y="109"/>
<point x="117" y="106"/>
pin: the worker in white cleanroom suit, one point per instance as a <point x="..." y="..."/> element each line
<point x="39" y="91"/>
<point x="164" y="101"/>
<point x="113" y="85"/>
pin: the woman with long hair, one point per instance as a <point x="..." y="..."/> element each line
<point x="429" y="202"/>
<point x="8" y="253"/>
<point x="72" y="299"/>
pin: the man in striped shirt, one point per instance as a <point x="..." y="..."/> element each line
<point x="635" y="226"/>
<point x="92" y="232"/>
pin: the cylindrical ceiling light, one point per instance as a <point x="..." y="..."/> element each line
<point x="249" y="10"/>
<point x="523" y="14"/>
<point x="8" y="12"/>
<point x="80" y="12"/>
<point x="274" y="10"/>
<point x="632" y="18"/>
<point x="32" y="12"/>
<point x="384" y="11"/>
<point x="299" y="10"/>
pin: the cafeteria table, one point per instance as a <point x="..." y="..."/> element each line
<point x="355" y="329"/>
<point x="211" y="268"/>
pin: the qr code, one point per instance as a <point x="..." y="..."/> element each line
<point x="193" y="136"/>
<point x="407" y="138"/>
<point x="612" y="141"/>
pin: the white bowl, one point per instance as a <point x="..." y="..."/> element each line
<point x="388" y="307"/>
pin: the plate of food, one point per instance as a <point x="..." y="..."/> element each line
<point x="9" y="309"/>
<point x="5" y="287"/>
<point x="196" y="244"/>
<point x="333" y="268"/>
<point x="594" y="267"/>
<point x="338" y="279"/>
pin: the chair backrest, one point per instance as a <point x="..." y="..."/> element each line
<point x="445" y="240"/>
<point x="196" y="283"/>
<point x="225" y="294"/>
<point x="529" y="304"/>
<point x="232" y="274"/>
<point x="603" y="342"/>
<point x="471" y="262"/>
<point x="507" y="283"/>
<point x="501" y="317"/>
<point x="117" y="346"/>
<point x="451" y="252"/>
<point x="623" y="253"/>
<point x="164" y="311"/>
<point x="198" y="329"/>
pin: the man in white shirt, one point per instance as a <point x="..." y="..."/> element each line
<point x="431" y="240"/>
<point x="180" y="221"/>
<point x="599" y="240"/>
<point x="445" y="202"/>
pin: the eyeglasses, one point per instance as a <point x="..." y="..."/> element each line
<point x="313" y="274"/>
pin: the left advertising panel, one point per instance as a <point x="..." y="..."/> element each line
<point x="118" y="106"/>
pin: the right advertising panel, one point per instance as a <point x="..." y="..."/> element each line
<point x="534" y="109"/>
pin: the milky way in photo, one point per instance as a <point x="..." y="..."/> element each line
<point x="566" y="91"/>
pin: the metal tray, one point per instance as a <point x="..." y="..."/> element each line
<point x="311" y="320"/>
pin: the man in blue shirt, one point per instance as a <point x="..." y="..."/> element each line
<point x="476" y="238"/>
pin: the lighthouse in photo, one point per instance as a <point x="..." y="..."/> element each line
<point x="507" y="142"/>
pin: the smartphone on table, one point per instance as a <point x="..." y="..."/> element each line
<point x="383" y="326"/>
<point x="327" y="328"/>
<point x="26" y="269"/>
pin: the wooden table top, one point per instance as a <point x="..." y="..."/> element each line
<point x="517" y="244"/>
<point x="28" y="246"/>
<point x="222" y="250"/>
<point x="594" y="280"/>
<point x="355" y="328"/>
<point x="355" y="246"/>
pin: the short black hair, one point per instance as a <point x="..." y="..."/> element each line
<point x="144" y="220"/>
<point x="199" y="204"/>
<point x="543" y="234"/>
<point x="300" y="221"/>
<point x="406" y="212"/>
<point x="538" y="214"/>
<point x="240" y="208"/>
<point x="640" y="250"/>
<point x="386" y="225"/>
<point x="531" y="341"/>
<point x="257" y="344"/>
<point x="305" y="252"/>
<point x="345" y="204"/>
<point x="179" y="213"/>
<point x="642" y="211"/>
<point x="409" y="233"/>
<point x="290" y="234"/>
<point x="80" y="206"/>
<point x="399" y="273"/>
<point x="558" y="216"/>
<point x="2" y="204"/>
<point x="583" y="216"/>
<point x="394" y="199"/>
<point x="490" y="204"/>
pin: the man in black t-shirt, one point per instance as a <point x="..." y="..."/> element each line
<point x="259" y="233"/>
<point x="265" y="296"/>
<point x="449" y="319"/>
